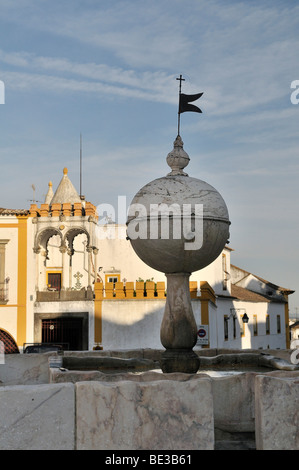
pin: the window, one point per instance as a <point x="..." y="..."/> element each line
<point x="234" y="326"/>
<point x="225" y="327"/>
<point x="242" y="326"/>
<point x="267" y="324"/>
<point x="54" y="281"/>
<point x="278" y="324"/>
<point x="112" y="278"/>
<point x="255" y="330"/>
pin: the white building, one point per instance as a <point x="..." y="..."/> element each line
<point x="234" y="292"/>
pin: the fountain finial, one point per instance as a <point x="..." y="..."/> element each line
<point x="177" y="159"/>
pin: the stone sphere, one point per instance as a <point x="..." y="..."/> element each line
<point x="187" y="232"/>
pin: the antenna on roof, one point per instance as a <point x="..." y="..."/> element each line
<point x="34" y="201"/>
<point x="33" y="187"/>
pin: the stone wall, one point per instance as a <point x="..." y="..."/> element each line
<point x="277" y="412"/>
<point x="25" y="369"/>
<point x="48" y="408"/>
<point x="233" y="399"/>
<point x="37" y="417"/>
<point x="162" y="414"/>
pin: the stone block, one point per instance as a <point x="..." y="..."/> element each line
<point x="234" y="403"/>
<point x="165" y="414"/>
<point x="277" y="413"/>
<point x="37" y="417"/>
<point x="25" y="369"/>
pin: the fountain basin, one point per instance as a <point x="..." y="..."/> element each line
<point x="77" y="409"/>
<point x="107" y="364"/>
<point x="78" y="367"/>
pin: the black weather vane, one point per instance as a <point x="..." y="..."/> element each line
<point x="184" y="102"/>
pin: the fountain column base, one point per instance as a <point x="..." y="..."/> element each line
<point x="178" y="328"/>
<point x="179" y="360"/>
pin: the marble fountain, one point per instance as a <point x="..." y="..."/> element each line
<point x="157" y="400"/>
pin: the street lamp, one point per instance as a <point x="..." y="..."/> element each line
<point x="234" y="311"/>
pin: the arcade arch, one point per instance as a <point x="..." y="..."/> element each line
<point x="64" y="260"/>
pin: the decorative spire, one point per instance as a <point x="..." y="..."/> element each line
<point x="177" y="159"/>
<point x="50" y="194"/>
<point x="65" y="192"/>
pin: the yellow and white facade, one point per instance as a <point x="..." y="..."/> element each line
<point x="61" y="282"/>
<point x="48" y="259"/>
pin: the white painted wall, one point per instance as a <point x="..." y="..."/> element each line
<point x="134" y="324"/>
<point x="249" y="340"/>
<point x="117" y="253"/>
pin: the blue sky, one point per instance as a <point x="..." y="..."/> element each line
<point x="108" y="68"/>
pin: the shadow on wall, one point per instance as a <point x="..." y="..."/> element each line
<point x="132" y="324"/>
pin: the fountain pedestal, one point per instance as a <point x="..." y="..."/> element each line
<point x="178" y="328"/>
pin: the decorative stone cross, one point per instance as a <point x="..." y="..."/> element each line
<point x="77" y="276"/>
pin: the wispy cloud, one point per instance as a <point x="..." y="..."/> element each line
<point x="152" y="40"/>
<point x="91" y="70"/>
<point x="60" y="74"/>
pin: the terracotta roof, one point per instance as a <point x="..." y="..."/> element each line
<point x="4" y="211"/>
<point x="241" y="293"/>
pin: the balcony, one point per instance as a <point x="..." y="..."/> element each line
<point x="64" y="295"/>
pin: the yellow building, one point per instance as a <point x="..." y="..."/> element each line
<point x="14" y="298"/>
<point x="48" y="261"/>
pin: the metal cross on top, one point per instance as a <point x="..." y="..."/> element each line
<point x="184" y="102"/>
<point x="181" y="79"/>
